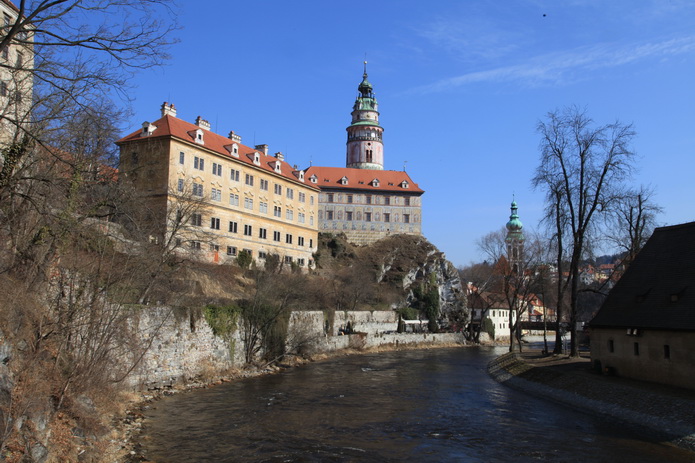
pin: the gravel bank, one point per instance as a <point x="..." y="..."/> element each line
<point x="657" y="412"/>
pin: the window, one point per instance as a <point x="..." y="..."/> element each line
<point x="8" y="20"/>
<point x="289" y="214"/>
<point x="329" y="197"/>
<point x="406" y="200"/>
<point x="196" y="220"/>
<point x="300" y="262"/>
<point x="288" y="238"/>
<point x="197" y="189"/>
<point x="215" y="194"/>
<point x="231" y="250"/>
<point x="217" y="169"/>
<point x="302" y="197"/>
<point x="248" y="230"/>
<point x="329" y="215"/>
<point x="234" y="176"/>
<point x="349" y="199"/>
<point x="635" y="348"/>
<point x="301" y="217"/>
<point x="263" y="207"/>
<point x="300" y="240"/>
<point x="6" y="53"/>
<point x="387" y="217"/>
<point x="182" y="157"/>
<point x="262" y="254"/>
<point x="198" y="163"/>
<point x="179" y="187"/>
<point x="667" y="352"/>
<point x="288" y="259"/>
<point x="387" y="200"/>
<point x="277" y="211"/>
<point x="406" y="219"/>
<point x="276" y="236"/>
<point x="311" y="220"/>
<point x="264" y="185"/>
<point x="215" y="223"/>
<point x="290" y="193"/>
<point x="248" y="251"/>
<point x="20" y="59"/>
<point x="233" y="227"/>
<point x="262" y="233"/>
<point x="311" y="200"/>
<point x="249" y="180"/>
<point x="348" y="215"/>
<point x="611" y="346"/>
<point x="367" y="216"/>
<point x="311" y="243"/>
<point x="278" y="189"/>
<point x="214" y="247"/>
<point x="195" y="245"/>
<point x="248" y="203"/>
<point x="369" y="199"/>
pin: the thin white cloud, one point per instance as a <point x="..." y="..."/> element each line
<point x="563" y="67"/>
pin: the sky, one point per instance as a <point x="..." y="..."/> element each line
<point x="461" y="88"/>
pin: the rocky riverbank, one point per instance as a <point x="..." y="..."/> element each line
<point x="655" y="411"/>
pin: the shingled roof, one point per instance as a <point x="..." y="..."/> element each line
<point x="346" y="178"/>
<point x="658" y="289"/>
<point x="170" y="126"/>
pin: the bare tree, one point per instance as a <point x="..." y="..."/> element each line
<point x="632" y="221"/>
<point x="514" y="284"/>
<point x="582" y="167"/>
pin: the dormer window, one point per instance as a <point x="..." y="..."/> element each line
<point x="375" y="182"/>
<point x="147" y="129"/>
<point x="232" y="149"/>
<point x="314" y="179"/>
<point x="344" y="181"/>
<point x="300" y="175"/>
<point x="197" y="135"/>
<point x="405" y="184"/>
<point x="278" y="167"/>
<point x="257" y="158"/>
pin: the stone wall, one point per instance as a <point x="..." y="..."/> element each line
<point x="183" y="348"/>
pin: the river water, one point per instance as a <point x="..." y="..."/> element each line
<point x="411" y="406"/>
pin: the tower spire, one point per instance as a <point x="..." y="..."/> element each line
<point x="515" y="238"/>
<point x="365" y="149"/>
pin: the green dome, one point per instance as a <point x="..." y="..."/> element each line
<point x="514" y="223"/>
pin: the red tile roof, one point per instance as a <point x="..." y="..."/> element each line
<point x="169" y="126"/>
<point x="362" y="179"/>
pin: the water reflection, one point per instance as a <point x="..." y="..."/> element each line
<point x="435" y="405"/>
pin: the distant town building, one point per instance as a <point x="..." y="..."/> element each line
<point x="645" y="328"/>
<point x="363" y="200"/>
<point x="246" y="199"/>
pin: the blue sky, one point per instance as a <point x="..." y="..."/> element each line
<point x="461" y="87"/>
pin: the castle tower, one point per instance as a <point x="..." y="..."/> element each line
<point x="365" y="149"/>
<point x="515" y="239"/>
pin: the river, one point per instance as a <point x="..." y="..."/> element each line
<point x="435" y="405"/>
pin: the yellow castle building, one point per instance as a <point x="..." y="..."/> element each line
<point x="218" y="196"/>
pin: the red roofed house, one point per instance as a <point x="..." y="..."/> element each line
<point x="363" y="200"/>
<point x="222" y="197"/>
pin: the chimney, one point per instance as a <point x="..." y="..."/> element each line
<point x="263" y="148"/>
<point x="280" y="156"/>
<point x="168" y="109"/>
<point x="234" y="137"/>
<point x="202" y="123"/>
